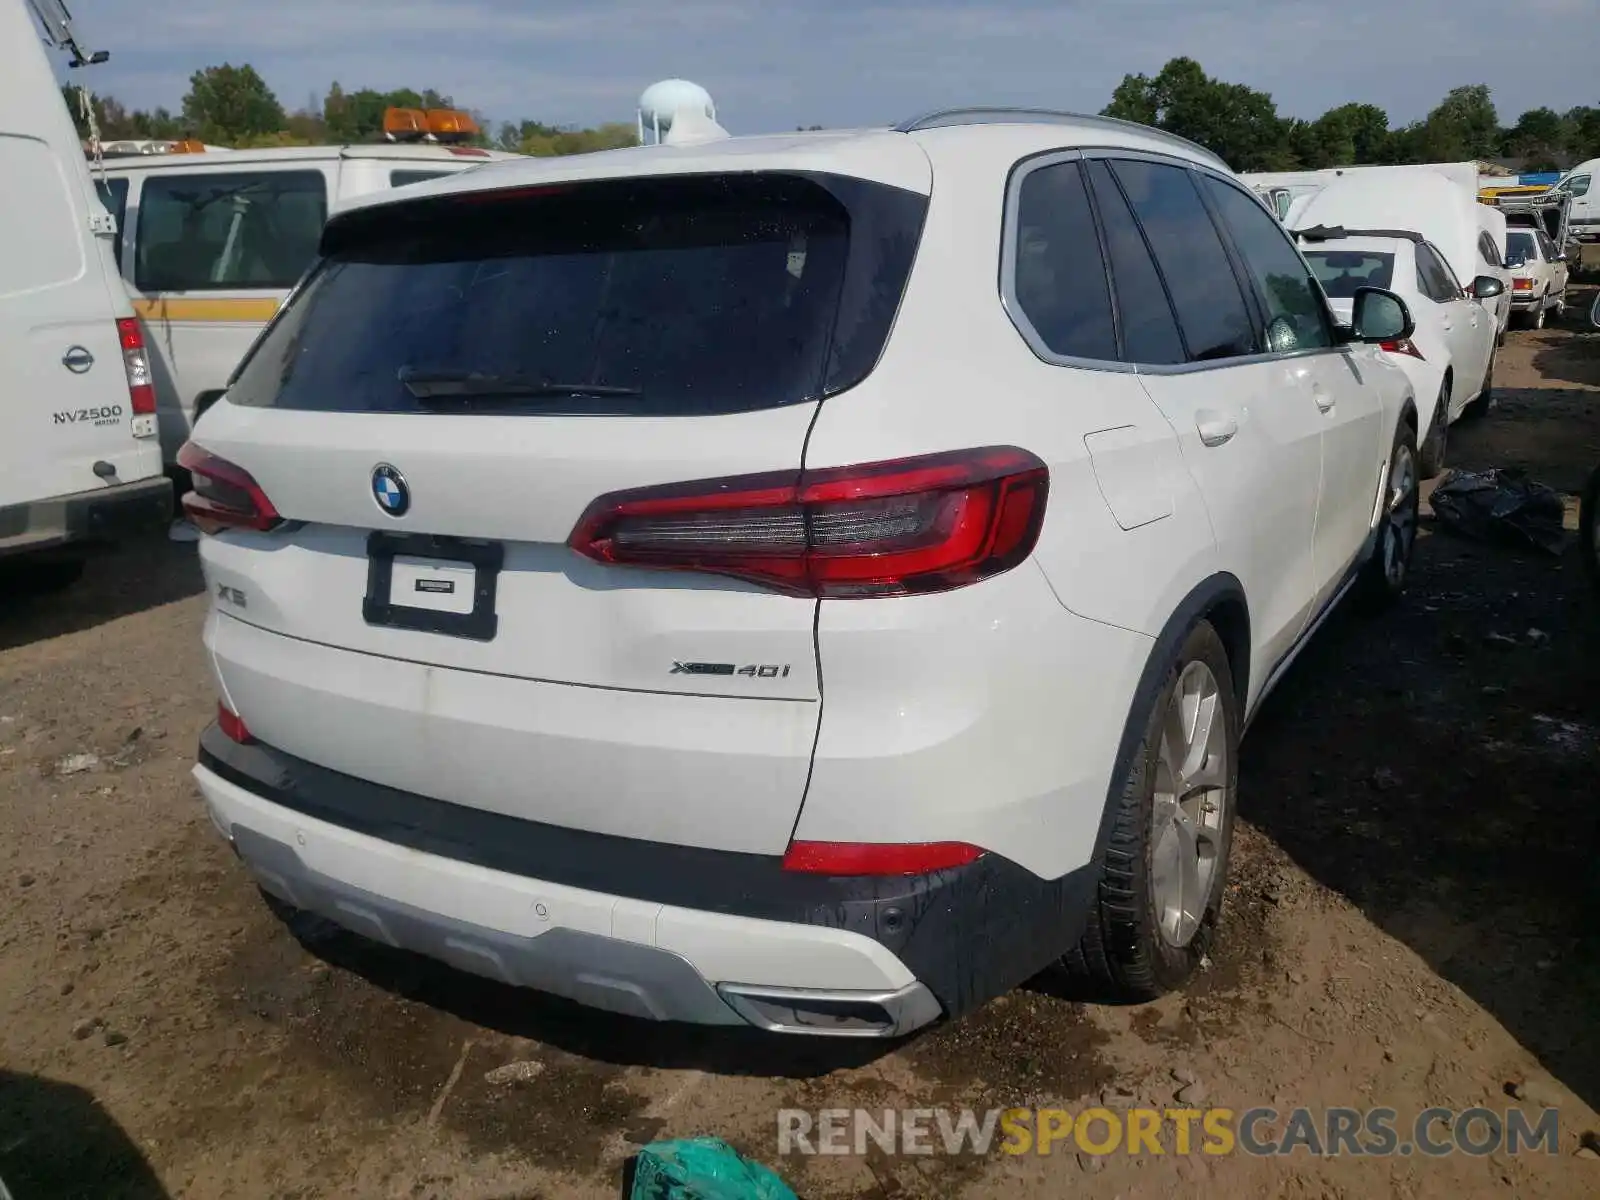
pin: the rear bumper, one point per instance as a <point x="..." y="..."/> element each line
<point x="646" y="929"/>
<point x="105" y="514"/>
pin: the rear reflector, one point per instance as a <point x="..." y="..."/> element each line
<point x="892" y="528"/>
<point x="232" y="725"/>
<point x="875" y="858"/>
<point x="136" y="362"/>
<point x="1401" y="346"/>
<point x="224" y="496"/>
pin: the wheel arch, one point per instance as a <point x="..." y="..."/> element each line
<point x="1219" y="599"/>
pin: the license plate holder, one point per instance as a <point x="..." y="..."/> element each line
<point x="479" y="624"/>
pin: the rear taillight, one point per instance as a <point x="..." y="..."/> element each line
<point x="232" y="725"/>
<point x="1522" y="285"/>
<point x="877" y="858"/>
<point x="1401" y="346"/>
<point x="881" y="529"/>
<point x="224" y="496"/>
<point x="136" y="362"/>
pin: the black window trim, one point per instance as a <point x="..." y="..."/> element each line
<point x="1247" y="288"/>
<point x="1253" y="303"/>
<point x="1009" y="299"/>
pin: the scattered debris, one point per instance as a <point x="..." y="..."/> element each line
<point x="68" y="988"/>
<point x="1501" y="505"/>
<point x="702" y="1169"/>
<point x="1183" y="1075"/>
<point x="1116" y="1096"/>
<point x="1536" y="1089"/>
<point x="1494" y="689"/>
<point x="1385" y="779"/>
<point x="84" y="1028"/>
<point x="1567" y="736"/>
<point x="113" y="1038"/>
<point x="76" y="764"/>
<point x="1589" y="1144"/>
<point x="1500" y="639"/>
<point x="1191" y="1095"/>
<point x="1091" y="1164"/>
<point x="25" y="880"/>
<point x="525" y="1071"/>
<point x="1537" y="637"/>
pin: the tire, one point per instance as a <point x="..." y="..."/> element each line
<point x="1384" y="576"/>
<point x="1589" y="529"/>
<point x="1142" y="939"/>
<point x="1484" y="401"/>
<point x="1430" y="456"/>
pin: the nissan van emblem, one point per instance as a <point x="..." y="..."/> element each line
<point x="389" y="489"/>
<point x="77" y="360"/>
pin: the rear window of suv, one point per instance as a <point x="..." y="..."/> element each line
<point x="677" y="295"/>
<point x="1341" y="272"/>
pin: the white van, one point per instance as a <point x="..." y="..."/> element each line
<point x="1437" y="200"/>
<point x="1584" y="216"/>
<point x="79" y="459"/>
<point x="211" y="243"/>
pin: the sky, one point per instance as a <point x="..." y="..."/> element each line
<point x="775" y="64"/>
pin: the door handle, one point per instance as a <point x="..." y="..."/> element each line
<point x="1324" y="401"/>
<point x="1215" y="428"/>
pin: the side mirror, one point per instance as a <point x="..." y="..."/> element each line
<point x="1486" y="287"/>
<point x="1378" y="315"/>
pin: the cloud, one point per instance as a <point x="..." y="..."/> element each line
<point x="783" y="63"/>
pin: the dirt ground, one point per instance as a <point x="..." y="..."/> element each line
<point x="1410" y="924"/>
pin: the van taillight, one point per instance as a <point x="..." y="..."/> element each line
<point x="224" y="496"/>
<point x="136" y="362"/>
<point x="893" y="528"/>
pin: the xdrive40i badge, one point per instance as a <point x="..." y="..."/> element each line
<point x="757" y="671"/>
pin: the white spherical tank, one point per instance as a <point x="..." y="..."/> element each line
<point x="665" y="100"/>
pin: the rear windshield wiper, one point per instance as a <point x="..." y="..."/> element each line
<point x="447" y="385"/>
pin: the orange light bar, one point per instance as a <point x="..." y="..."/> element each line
<point x="405" y="124"/>
<point x="188" y="146"/>
<point x="450" y="124"/>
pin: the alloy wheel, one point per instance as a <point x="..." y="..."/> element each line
<point x="1190" y="804"/>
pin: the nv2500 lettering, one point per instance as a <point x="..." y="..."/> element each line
<point x="109" y="415"/>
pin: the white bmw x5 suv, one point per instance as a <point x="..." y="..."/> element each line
<point x="813" y="581"/>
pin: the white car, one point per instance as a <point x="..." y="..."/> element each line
<point x="1538" y="276"/>
<point x="1450" y="355"/>
<point x="816" y="581"/>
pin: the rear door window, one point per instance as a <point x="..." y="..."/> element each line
<point x="200" y="231"/>
<point x="1148" y="329"/>
<point x="1341" y="272"/>
<point x="1434" y="276"/>
<point x="659" y="296"/>
<point x="1297" y="319"/>
<point x="1058" y="276"/>
<point x="1205" y="293"/>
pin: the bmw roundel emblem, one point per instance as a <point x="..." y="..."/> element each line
<point x="389" y="489"/>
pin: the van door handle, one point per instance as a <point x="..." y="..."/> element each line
<point x="1215" y="428"/>
<point x="1324" y="401"/>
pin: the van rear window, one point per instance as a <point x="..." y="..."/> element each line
<point x="1341" y="272"/>
<point x="677" y="295"/>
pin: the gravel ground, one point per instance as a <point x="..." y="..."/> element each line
<point x="1407" y="927"/>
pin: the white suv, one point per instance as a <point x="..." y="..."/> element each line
<point x="816" y="581"/>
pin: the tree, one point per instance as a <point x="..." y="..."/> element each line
<point x="577" y="141"/>
<point x="226" y="104"/>
<point x="1236" y="122"/>
<point x="1367" y="128"/>
<point x="1465" y="125"/>
<point x="1583" y="133"/>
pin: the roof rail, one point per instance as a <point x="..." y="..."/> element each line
<point x="946" y="117"/>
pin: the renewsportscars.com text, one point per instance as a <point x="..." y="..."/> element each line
<point x="1372" y="1132"/>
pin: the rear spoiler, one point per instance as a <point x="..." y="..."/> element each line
<point x="1332" y="233"/>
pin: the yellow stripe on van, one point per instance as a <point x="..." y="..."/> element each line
<point x="256" y="310"/>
